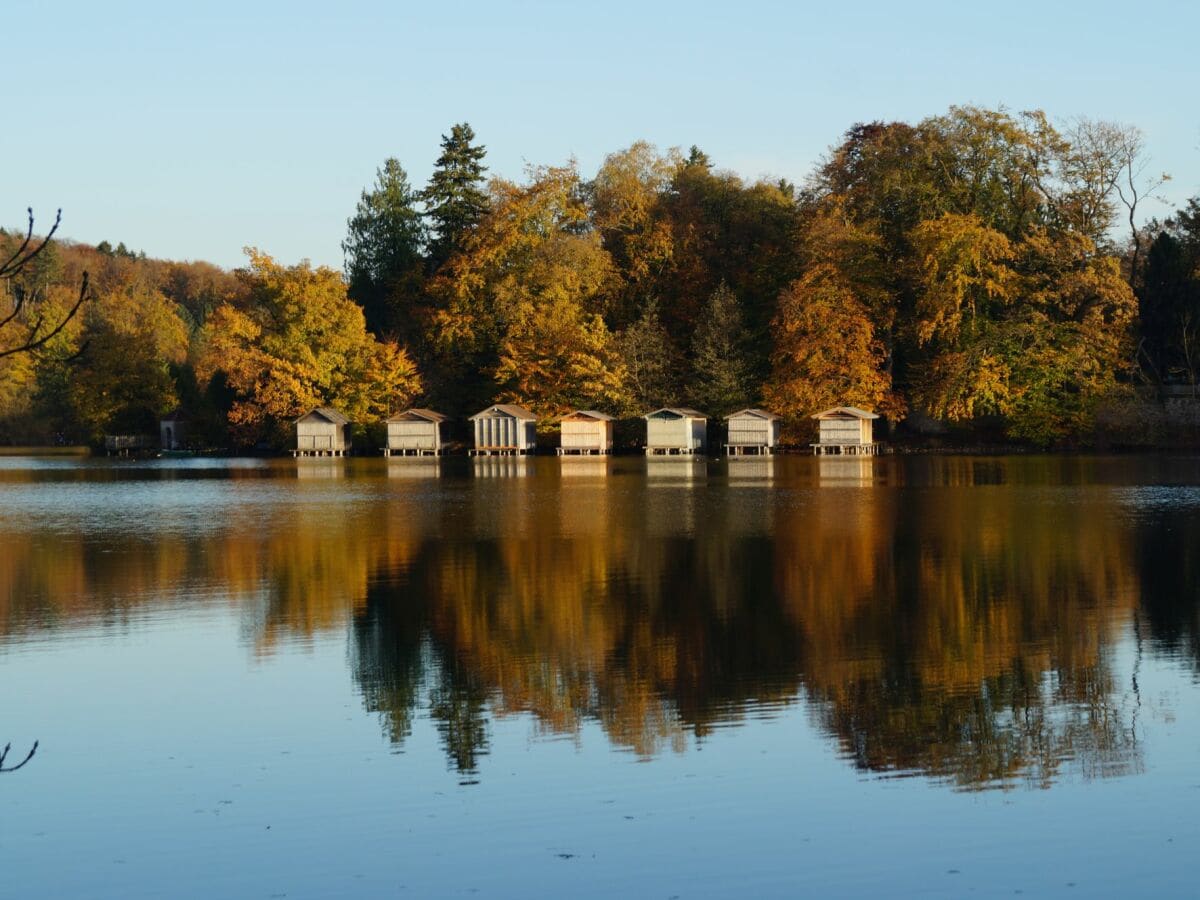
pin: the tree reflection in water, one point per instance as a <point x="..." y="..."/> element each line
<point x="963" y="634"/>
<point x="956" y="619"/>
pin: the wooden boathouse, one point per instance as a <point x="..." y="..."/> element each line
<point x="323" y="432"/>
<point x="675" y="430"/>
<point x="416" y="432"/>
<point x="504" y="429"/>
<point x="585" y="432"/>
<point x="751" y="431"/>
<point x="172" y="431"/>
<point x="845" y="430"/>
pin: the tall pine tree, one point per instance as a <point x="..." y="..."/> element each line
<point x="455" y="200"/>
<point x="384" y="241"/>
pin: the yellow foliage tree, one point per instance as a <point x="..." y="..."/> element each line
<point x="1036" y="331"/>
<point x="964" y="270"/>
<point x="18" y="380"/>
<point x="628" y="212"/>
<point x="556" y="358"/>
<point x="295" y="341"/>
<point x="1052" y="343"/>
<point x="1071" y="340"/>
<point x="964" y="283"/>
<point x="522" y="302"/>
<point x="481" y="288"/>
<point x="122" y="380"/>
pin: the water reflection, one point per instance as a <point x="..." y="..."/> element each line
<point x="1168" y="566"/>
<point x="968" y="633"/>
<point x="414" y="467"/>
<point x="584" y="466"/>
<point x="319" y="468"/>
<point x="501" y="466"/>
<point x="846" y="470"/>
<point x="752" y="470"/>
<point x="671" y="469"/>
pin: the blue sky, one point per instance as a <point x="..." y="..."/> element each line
<point x="191" y="132"/>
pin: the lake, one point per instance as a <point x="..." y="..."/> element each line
<point x="587" y="677"/>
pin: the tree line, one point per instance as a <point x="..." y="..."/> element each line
<point x="981" y="273"/>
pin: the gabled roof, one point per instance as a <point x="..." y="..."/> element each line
<point x="841" y="412"/>
<point x="682" y="412"/>
<point x="507" y="409"/>
<point x="588" y="414"/>
<point x="428" y="415"/>
<point x="754" y="413"/>
<point x="175" y="415"/>
<point x="328" y="413"/>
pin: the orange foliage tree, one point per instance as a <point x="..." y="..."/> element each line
<point x="827" y="352"/>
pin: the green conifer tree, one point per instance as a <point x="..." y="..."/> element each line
<point x="721" y="382"/>
<point x="384" y="241"/>
<point x="455" y="200"/>
<point x="646" y="352"/>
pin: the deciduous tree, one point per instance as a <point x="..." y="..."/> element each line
<point x="556" y="357"/>
<point x="627" y="207"/>
<point x="297" y="341"/>
<point x="826" y="351"/>
<point x="121" y="381"/>
<point x="531" y="266"/>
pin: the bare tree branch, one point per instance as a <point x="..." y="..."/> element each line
<point x="4" y="755"/>
<point x="24" y="255"/>
<point x="1133" y="188"/>
<point x="26" y="252"/>
<point x="1110" y="159"/>
<point x="34" y="341"/>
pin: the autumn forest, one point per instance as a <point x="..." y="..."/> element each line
<point x="980" y="275"/>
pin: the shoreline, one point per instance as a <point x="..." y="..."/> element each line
<point x="78" y="450"/>
<point x="84" y="452"/>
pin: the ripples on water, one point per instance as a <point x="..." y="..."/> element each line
<point x="825" y="657"/>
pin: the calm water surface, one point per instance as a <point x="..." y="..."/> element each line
<point x="643" y="678"/>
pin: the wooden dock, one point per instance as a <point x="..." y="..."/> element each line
<point x="499" y="451"/>
<point x="130" y="444"/>
<point x="296" y="454"/>
<point x="411" y="451"/>
<point x="748" y="450"/>
<point x="847" y="449"/>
